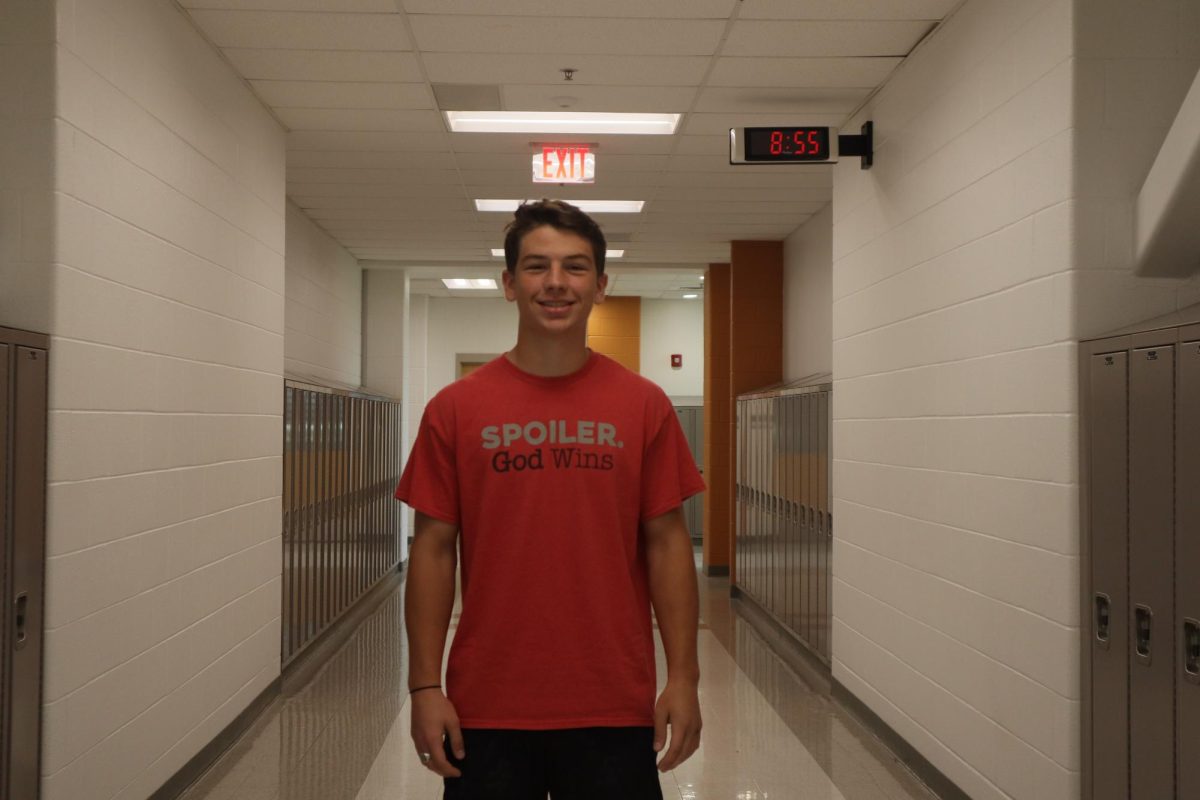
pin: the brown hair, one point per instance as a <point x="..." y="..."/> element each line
<point x="557" y="214"/>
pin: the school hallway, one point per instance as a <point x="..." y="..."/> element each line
<point x="768" y="734"/>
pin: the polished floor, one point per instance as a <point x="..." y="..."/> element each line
<point x="767" y="733"/>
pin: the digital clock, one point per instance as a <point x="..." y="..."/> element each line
<point x="782" y="145"/>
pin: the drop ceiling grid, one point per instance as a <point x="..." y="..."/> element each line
<point x="370" y="160"/>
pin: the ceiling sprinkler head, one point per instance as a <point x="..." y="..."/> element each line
<point x="568" y="74"/>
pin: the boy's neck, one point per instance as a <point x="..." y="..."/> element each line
<point x="549" y="358"/>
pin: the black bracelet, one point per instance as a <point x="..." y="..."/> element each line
<point x="423" y="688"/>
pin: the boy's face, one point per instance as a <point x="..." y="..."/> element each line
<point x="554" y="284"/>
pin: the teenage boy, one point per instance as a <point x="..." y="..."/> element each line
<point x="563" y="473"/>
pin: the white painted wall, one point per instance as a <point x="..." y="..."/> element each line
<point x="27" y="141"/>
<point x="323" y="316"/>
<point x="674" y="326"/>
<point x="165" y="391"/>
<point x="956" y="570"/>
<point x="384" y="330"/>
<point x="465" y="325"/>
<point x="808" y="298"/>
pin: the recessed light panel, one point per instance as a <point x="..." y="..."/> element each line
<point x="560" y="122"/>
<point x="590" y="206"/>
<point x="469" y="283"/>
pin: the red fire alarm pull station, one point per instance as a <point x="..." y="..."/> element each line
<point x="676" y="360"/>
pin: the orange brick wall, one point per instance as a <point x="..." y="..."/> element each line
<point x="615" y="329"/>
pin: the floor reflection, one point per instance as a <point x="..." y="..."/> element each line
<point x="767" y="733"/>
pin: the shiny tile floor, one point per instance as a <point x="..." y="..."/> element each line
<point x="767" y="734"/>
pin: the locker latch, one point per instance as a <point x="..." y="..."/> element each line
<point x="1103" y="618"/>
<point x="20" y="617"/>
<point x="1143" y="623"/>
<point x="1191" y="650"/>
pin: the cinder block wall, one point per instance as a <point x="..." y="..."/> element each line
<point x="956" y="571"/>
<point x="166" y="394"/>
<point x="323" y="314"/>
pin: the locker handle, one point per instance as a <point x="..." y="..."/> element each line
<point x="1143" y="625"/>
<point x="20" y="618"/>
<point x="1103" y="618"/>
<point x="1191" y="650"/>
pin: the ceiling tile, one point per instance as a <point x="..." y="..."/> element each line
<point x="664" y="9"/>
<point x="783" y="38"/>
<point x="713" y="124"/>
<point x="324" y="6"/>
<point x="781" y="101"/>
<point x="370" y="160"/>
<point x="412" y="177"/>
<point x="359" y="120"/>
<point x="561" y="96"/>
<point x="534" y="68"/>
<point x="407" y="141"/>
<point x="343" y="94"/>
<point x="324" y="65"/>
<point x="305" y="31"/>
<point x="803" y="72"/>
<point x="367" y="159"/>
<point x="846" y="9"/>
<point x="461" y="34"/>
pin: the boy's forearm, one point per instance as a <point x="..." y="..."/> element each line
<point x="428" y="605"/>
<point x="673" y="592"/>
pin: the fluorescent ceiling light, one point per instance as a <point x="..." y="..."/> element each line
<point x="690" y="296"/>
<point x="559" y="122"/>
<point x="498" y="252"/>
<point x="591" y="206"/>
<point x="469" y="283"/>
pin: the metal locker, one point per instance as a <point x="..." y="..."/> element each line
<point x="812" y="579"/>
<point x="1151" y="591"/>
<point x="759" y="561"/>
<point x="23" y="396"/>
<point x="793" y="505"/>
<point x="739" y="500"/>
<point x="1187" y="569"/>
<point x="821" y="640"/>
<point x="802" y="525"/>
<point x="776" y="509"/>
<point x="6" y="363"/>
<point x="1107" y="396"/>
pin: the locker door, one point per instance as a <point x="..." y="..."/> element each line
<point x="1151" y="591"/>
<point x="28" y="553"/>
<point x="1108" y="388"/>
<point x="802" y="578"/>
<point x="1187" y="570"/>
<point x="793" y="560"/>
<point x="821" y="641"/>
<point x="5" y="544"/>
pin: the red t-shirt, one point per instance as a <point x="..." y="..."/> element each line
<point x="548" y="480"/>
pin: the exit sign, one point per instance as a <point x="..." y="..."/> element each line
<point x="573" y="163"/>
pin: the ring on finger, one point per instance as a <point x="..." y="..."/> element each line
<point x="425" y="757"/>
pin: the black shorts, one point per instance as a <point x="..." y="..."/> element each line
<point x="571" y="764"/>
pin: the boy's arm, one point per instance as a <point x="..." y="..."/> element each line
<point x="428" y="604"/>
<point x="671" y="570"/>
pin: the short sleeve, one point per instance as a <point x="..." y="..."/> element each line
<point x="669" y="473"/>
<point x="430" y="480"/>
